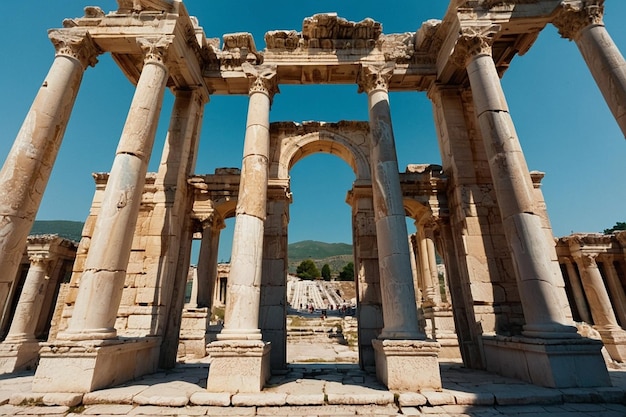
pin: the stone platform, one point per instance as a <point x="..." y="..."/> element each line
<point x="318" y="390"/>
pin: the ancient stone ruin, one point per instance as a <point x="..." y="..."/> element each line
<point x="504" y="308"/>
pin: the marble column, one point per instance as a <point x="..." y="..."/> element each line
<point x="577" y="292"/>
<point x="581" y="21"/>
<point x="27" y="168"/>
<point x="102" y="282"/>
<point x="398" y="295"/>
<point x="604" y="319"/>
<point x="435" y="289"/>
<point x="404" y="360"/>
<point x="28" y="308"/>
<point x="241" y="320"/>
<point x="515" y="193"/>
<point x="549" y="341"/>
<point x="240" y="358"/>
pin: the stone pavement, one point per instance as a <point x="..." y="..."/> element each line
<point x="318" y="390"/>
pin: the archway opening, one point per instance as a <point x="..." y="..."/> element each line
<point x="321" y="311"/>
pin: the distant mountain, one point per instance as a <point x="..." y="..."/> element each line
<point x="310" y="249"/>
<point x="336" y="255"/>
<point x="64" y="228"/>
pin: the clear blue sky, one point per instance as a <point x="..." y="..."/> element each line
<point x="564" y="125"/>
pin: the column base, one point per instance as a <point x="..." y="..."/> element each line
<point x="81" y="367"/>
<point x="407" y="365"/>
<point x="553" y="363"/>
<point x="18" y="356"/>
<point x="238" y="365"/>
<point x="615" y="342"/>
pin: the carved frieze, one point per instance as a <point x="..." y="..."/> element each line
<point x="575" y="16"/>
<point x="288" y="40"/>
<point x="76" y="43"/>
<point x="327" y="31"/>
<point x="239" y="48"/>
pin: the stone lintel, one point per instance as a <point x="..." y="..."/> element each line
<point x="81" y="367"/>
<point x="408" y="365"/>
<point x="238" y="365"/>
<point x="554" y="363"/>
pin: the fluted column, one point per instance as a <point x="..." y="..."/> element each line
<point x="577" y="290"/>
<point x="599" y="301"/>
<point x="514" y="190"/>
<point x="28" y="308"/>
<point x="241" y="321"/>
<point x="104" y="273"/>
<point x="398" y="295"/>
<point x="581" y="21"/>
<point x="27" y="168"/>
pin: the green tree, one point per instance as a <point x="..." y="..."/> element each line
<point x="326" y="272"/>
<point x="618" y="226"/>
<point x="307" y="270"/>
<point x="347" y="273"/>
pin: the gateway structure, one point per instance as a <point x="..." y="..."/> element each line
<point x="122" y="313"/>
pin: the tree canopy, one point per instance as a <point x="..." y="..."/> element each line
<point x="618" y="226"/>
<point x="347" y="274"/>
<point x="307" y="270"/>
<point x="326" y="272"/>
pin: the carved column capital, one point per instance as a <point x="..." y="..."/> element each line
<point x="155" y="49"/>
<point x="75" y="43"/>
<point x="472" y="42"/>
<point x="573" y="17"/>
<point x="375" y="77"/>
<point x="589" y="260"/>
<point x="40" y="260"/>
<point x="262" y="79"/>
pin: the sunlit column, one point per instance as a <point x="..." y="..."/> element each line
<point x="577" y="291"/>
<point x="581" y="21"/>
<point x="396" y="279"/>
<point x="30" y="302"/>
<point x="530" y="248"/>
<point x="102" y="281"/>
<point x="27" y="168"/>
<point x="601" y="310"/>
<point x="241" y="320"/>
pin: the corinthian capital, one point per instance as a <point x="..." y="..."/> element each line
<point x="75" y="43"/>
<point x="262" y="79"/>
<point x="375" y="77"/>
<point x="574" y="16"/>
<point x="473" y="41"/>
<point x="155" y="49"/>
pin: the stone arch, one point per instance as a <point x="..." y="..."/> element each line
<point x="349" y="140"/>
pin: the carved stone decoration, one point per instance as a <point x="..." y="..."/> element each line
<point x="239" y="48"/>
<point x="327" y="31"/>
<point x="375" y="77"/>
<point x="155" y="50"/>
<point x="283" y="39"/>
<point x="574" y="17"/>
<point x="262" y="79"/>
<point x="397" y="47"/>
<point x="76" y="43"/>
<point x="473" y="41"/>
<point x="128" y="6"/>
